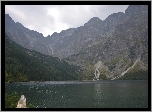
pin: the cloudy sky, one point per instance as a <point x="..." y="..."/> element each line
<point x="48" y="19"/>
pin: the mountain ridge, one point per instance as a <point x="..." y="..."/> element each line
<point x="120" y="38"/>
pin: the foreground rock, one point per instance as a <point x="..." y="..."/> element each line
<point x="22" y="102"/>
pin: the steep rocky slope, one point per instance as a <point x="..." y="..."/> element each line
<point x="122" y="48"/>
<point x="23" y="36"/>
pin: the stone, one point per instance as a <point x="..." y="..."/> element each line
<point x="22" y="102"/>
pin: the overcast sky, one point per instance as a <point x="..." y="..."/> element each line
<point x="48" y="19"/>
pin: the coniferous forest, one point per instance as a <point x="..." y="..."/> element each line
<point x="22" y="64"/>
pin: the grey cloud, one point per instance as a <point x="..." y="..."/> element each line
<point x="76" y="16"/>
<point x="34" y="16"/>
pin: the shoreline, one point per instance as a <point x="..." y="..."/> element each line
<point x="73" y="81"/>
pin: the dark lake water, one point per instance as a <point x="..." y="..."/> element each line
<point x="85" y="94"/>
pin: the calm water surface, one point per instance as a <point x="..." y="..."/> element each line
<point x="86" y="94"/>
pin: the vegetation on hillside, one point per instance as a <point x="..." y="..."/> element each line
<point x="27" y="65"/>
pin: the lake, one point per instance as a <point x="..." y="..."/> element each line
<point x="83" y="94"/>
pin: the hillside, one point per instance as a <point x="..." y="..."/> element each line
<point x="27" y="65"/>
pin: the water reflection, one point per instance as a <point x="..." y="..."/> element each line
<point x="98" y="95"/>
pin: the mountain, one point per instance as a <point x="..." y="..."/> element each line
<point x="120" y="50"/>
<point x="56" y="44"/>
<point x="120" y="43"/>
<point x="29" y="39"/>
<point x="22" y="64"/>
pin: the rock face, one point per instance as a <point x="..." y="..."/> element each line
<point x="117" y="42"/>
<point x="23" y="36"/>
<point x="22" y="102"/>
<point x="121" y="48"/>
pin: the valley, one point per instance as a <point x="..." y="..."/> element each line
<point x="116" y="42"/>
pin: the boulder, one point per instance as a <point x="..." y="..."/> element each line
<point x="22" y="102"/>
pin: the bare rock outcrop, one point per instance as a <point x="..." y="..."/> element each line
<point x="22" y="102"/>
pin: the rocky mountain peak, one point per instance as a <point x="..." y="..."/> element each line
<point x="135" y="9"/>
<point x="54" y="34"/>
<point x="7" y="17"/>
<point x="93" y="22"/>
<point x="20" y="25"/>
<point x="94" y="19"/>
